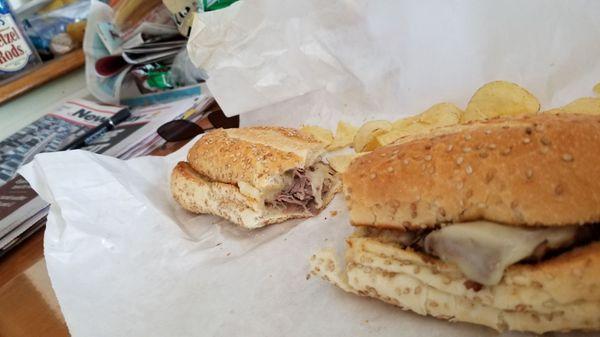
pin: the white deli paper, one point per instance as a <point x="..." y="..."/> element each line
<point x="125" y="260"/>
<point x="359" y="59"/>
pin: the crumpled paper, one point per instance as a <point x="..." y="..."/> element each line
<point x="125" y="260"/>
<point x="359" y="59"/>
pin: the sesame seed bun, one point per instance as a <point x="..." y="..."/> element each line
<point x="533" y="170"/>
<point x="559" y="294"/>
<point x="256" y="155"/>
<point x="257" y="158"/>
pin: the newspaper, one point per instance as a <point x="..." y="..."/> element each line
<point x="103" y="39"/>
<point x="51" y="133"/>
<point x="137" y="135"/>
<point x="21" y="209"/>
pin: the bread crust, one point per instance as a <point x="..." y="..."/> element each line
<point x="199" y="194"/>
<point x="532" y="170"/>
<point x="257" y="155"/>
<point x="555" y="295"/>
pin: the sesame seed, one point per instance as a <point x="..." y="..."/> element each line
<point x="559" y="189"/>
<point x="459" y="160"/>
<point x="488" y="131"/>
<point x="469" y="169"/>
<point x="428" y="157"/>
<point x="526" y="140"/>
<point x="489" y="176"/>
<point x="491" y="146"/>
<point x="467" y="137"/>
<point x="506" y="151"/>
<point x="383" y="154"/>
<point x="405" y="161"/>
<point x="529" y="173"/>
<point x="372" y="176"/>
<point x="544" y="150"/>
<point x="545" y="141"/>
<point x="466" y="149"/>
<point x="442" y="211"/>
<point x="390" y="169"/>
<point x="567" y="157"/>
<point x="449" y="148"/>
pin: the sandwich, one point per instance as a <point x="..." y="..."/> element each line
<point x="255" y="176"/>
<point x="493" y="223"/>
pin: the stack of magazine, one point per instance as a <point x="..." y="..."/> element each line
<point x="22" y="211"/>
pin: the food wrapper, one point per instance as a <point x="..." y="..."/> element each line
<point x="125" y="260"/>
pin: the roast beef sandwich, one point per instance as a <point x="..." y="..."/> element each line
<point x="495" y="223"/>
<point x="255" y="176"/>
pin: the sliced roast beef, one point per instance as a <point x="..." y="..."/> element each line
<point x="300" y="194"/>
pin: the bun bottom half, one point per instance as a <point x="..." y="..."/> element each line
<point x="198" y="194"/>
<point x="559" y="294"/>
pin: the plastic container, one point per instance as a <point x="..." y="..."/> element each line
<point x="17" y="54"/>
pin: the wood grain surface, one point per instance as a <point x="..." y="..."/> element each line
<point x="44" y="73"/>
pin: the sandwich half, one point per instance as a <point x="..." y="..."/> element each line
<point x="494" y="223"/>
<point x="255" y="176"/>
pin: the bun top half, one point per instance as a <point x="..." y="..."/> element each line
<point x="526" y="171"/>
<point x="255" y="155"/>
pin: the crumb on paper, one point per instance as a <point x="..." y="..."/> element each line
<point x="325" y="239"/>
<point x="228" y="253"/>
<point x="308" y="276"/>
<point x="333" y="213"/>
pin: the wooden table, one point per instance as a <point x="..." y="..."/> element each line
<point x="42" y="74"/>
<point x="28" y="306"/>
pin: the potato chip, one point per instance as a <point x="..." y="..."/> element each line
<point x="584" y="105"/>
<point x="441" y="114"/>
<point x="405" y="122"/>
<point x="398" y="132"/>
<point x="597" y="89"/>
<point x="500" y="98"/>
<point x="344" y="136"/>
<point x="321" y="134"/>
<point x="368" y="132"/>
<point x="553" y="111"/>
<point x="340" y="163"/>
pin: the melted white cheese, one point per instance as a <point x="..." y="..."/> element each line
<point x="317" y="178"/>
<point x="483" y="250"/>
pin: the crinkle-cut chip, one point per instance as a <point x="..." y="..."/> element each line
<point x="321" y="134"/>
<point x="584" y="105"/>
<point x="500" y="98"/>
<point x="344" y="135"/>
<point x="363" y="140"/>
